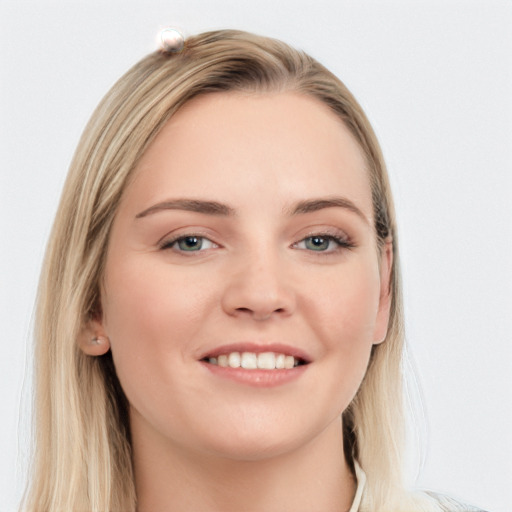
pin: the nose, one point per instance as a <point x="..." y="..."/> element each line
<point x="258" y="289"/>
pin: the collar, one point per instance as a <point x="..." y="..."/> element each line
<point x="361" y="480"/>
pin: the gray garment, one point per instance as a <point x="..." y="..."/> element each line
<point x="447" y="503"/>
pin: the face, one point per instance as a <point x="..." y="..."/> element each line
<point x="245" y="238"/>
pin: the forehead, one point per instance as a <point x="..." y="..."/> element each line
<point x="287" y="144"/>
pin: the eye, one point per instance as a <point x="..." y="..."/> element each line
<point x="189" y="243"/>
<point x="322" y="243"/>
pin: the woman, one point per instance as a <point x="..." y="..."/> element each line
<point x="219" y="323"/>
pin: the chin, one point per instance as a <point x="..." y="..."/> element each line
<point x="259" y="442"/>
<point x="254" y="450"/>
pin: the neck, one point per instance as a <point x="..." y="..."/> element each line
<point x="314" y="476"/>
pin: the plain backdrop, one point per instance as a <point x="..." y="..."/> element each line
<point x="435" y="79"/>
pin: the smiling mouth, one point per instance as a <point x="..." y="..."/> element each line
<point x="256" y="361"/>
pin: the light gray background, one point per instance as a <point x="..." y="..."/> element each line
<point x="436" y="81"/>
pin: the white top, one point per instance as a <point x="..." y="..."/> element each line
<point x="361" y="481"/>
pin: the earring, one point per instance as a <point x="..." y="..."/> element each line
<point x="99" y="340"/>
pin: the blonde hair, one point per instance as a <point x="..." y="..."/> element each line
<point x="82" y="459"/>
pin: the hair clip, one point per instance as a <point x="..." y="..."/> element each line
<point x="172" y="40"/>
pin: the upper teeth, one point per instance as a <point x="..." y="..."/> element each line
<point x="252" y="361"/>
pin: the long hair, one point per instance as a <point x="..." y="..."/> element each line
<point x="82" y="455"/>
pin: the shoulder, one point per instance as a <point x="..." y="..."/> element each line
<point x="449" y="504"/>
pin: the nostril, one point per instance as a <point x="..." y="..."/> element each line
<point x="261" y="314"/>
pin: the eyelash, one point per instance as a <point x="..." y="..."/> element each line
<point x="342" y="243"/>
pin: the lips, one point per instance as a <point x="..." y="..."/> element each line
<point x="260" y="365"/>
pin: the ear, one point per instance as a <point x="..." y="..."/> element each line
<point x="93" y="339"/>
<point x="382" y="320"/>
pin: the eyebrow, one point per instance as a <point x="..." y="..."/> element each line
<point x="221" y="209"/>
<point x="314" y="205"/>
<point x="191" y="205"/>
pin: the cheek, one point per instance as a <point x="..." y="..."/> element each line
<point x="344" y="317"/>
<point x="347" y="307"/>
<point x="151" y="315"/>
<point x="152" y="303"/>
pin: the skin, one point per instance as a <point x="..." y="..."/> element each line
<point x="202" y="442"/>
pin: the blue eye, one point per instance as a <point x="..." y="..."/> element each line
<point x="322" y="243"/>
<point x="317" y="243"/>
<point x="189" y="243"/>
